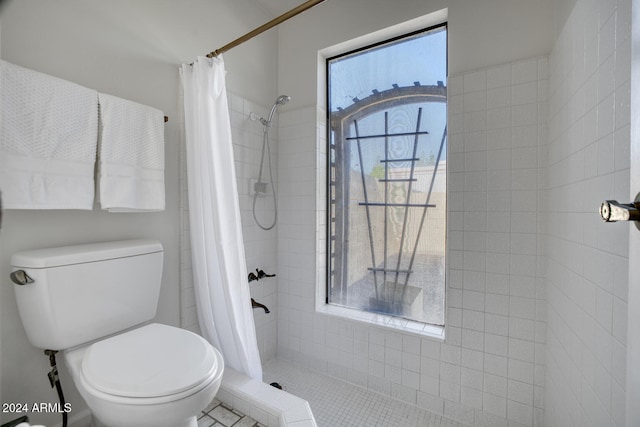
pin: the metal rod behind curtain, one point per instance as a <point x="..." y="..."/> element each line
<point x="261" y="29"/>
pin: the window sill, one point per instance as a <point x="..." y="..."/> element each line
<point x="390" y="322"/>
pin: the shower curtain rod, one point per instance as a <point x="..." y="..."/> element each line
<point x="261" y="29"/>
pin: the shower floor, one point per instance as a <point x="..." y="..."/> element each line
<point x="336" y="403"/>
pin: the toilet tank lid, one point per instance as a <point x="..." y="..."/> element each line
<point x="79" y="254"/>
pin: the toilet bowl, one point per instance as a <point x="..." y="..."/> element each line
<point x="152" y="376"/>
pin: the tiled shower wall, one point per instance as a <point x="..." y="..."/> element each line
<point x="588" y="259"/>
<point x="260" y="245"/>
<point x="496" y="287"/>
<point x="489" y="371"/>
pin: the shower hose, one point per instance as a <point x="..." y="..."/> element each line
<point x="266" y="150"/>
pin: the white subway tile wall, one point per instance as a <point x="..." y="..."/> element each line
<point x="490" y="369"/>
<point x="587" y="260"/>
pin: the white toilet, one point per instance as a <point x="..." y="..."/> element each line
<point x="92" y="301"/>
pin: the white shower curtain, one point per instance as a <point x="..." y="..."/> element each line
<point x="222" y="293"/>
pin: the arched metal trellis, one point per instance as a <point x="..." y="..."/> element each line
<point x="392" y="293"/>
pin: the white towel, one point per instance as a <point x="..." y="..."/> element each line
<point x="131" y="156"/>
<point x="48" y="138"/>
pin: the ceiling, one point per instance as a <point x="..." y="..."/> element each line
<point x="278" y="7"/>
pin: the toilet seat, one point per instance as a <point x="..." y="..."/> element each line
<point x="153" y="361"/>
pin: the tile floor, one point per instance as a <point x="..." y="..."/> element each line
<point x="218" y="414"/>
<point x="336" y="403"/>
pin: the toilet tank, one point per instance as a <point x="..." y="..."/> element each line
<point x="85" y="292"/>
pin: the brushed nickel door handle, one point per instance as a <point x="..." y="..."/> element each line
<point x="613" y="211"/>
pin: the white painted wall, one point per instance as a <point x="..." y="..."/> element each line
<point x="131" y="50"/>
<point x="481" y="34"/>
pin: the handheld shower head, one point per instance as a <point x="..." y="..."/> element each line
<point x="282" y="99"/>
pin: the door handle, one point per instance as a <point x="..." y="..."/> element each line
<point x="613" y="211"/>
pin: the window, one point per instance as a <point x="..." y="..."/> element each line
<point x="386" y="198"/>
